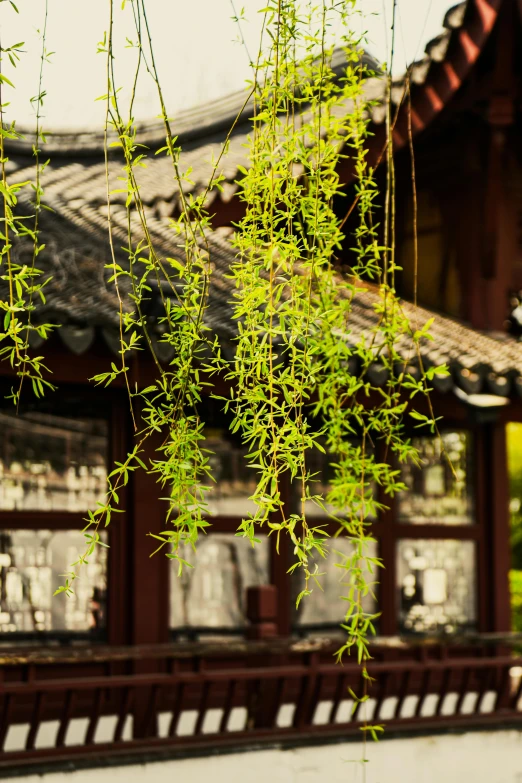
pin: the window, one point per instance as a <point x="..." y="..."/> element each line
<point x="324" y="607"/>
<point x="51" y="463"/>
<point x="436" y="578"/>
<point x="318" y="465"/>
<point x="439" y="490"/>
<point x="233" y="481"/>
<point x="53" y="468"/>
<point x="211" y="595"/>
<point x="31" y="566"/>
<point x="322" y="473"/>
<point x="209" y="598"/>
<point x="437" y="583"/>
<point x="429" y="541"/>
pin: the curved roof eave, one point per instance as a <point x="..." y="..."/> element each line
<point x="197" y="126"/>
<point x="435" y="79"/>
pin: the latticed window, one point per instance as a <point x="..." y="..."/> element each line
<point x="436" y="578"/>
<point x="53" y="468"/>
<point x="53" y="464"/>
<point x="439" y="489"/>
<point x="209" y="598"/>
<point x="325" y="606"/>
<point x="428" y="540"/>
<point x="437" y="585"/>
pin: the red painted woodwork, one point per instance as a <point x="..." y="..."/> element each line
<point x="254" y="692"/>
<point x="119" y="568"/>
<point x="262" y="612"/>
<point x="149" y="679"/>
<point x="443" y="80"/>
<point x="149" y="588"/>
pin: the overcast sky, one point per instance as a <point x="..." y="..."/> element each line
<point x="195" y="42"/>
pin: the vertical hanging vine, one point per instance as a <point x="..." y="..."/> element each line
<point x="300" y="377"/>
<point x="23" y="284"/>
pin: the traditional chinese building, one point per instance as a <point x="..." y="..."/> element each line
<point x="139" y="664"/>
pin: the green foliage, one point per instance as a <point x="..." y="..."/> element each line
<point x="23" y="282"/>
<point x="294" y="309"/>
<point x="514" y="445"/>
<point x="515" y="583"/>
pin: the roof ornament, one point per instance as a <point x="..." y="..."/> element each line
<point x="78" y="339"/>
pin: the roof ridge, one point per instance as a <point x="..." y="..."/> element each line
<point x="198" y="123"/>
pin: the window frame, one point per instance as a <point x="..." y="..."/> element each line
<point x="109" y="405"/>
<point x="220" y="523"/>
<point x="388" y="531"/>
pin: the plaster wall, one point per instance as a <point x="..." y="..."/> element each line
<point x="481" y="757"/>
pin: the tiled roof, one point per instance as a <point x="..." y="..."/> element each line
<point x="80" y="297"/>
<point x="479" y="361"/>
<point x="76" y="254"/>
<point x="76" y="238"/>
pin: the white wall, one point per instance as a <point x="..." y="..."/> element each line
<point x="475" y="757"/>
<point x="196" y="40"/>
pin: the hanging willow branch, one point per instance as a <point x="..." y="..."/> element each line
<point x="293" y="388"/>
<point x="23" y="284"/>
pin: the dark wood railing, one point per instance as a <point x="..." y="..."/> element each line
<point x="70" y="703"/>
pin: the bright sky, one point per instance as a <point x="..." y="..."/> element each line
<point x="195" y="42"/>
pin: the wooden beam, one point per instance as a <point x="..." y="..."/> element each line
<point x="149" y="589"/>
<point x="501" y="223"/>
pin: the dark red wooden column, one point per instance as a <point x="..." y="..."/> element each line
<point x="280" y="560"/>
<point x="387" y="576"/>
<point x="120" y="606"/>
<point x="149" y="575"/>
<point x="500" y="217"/>
<point x="149" y="584"/>
<point x="384" y="530"/>
<point x="279" y="564"/>
<point x="262" y="612"/>
<point x="501" y="231"/>
<point x="469" y="213"/>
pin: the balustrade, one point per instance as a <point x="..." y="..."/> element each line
<point x="74" y="702"/>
